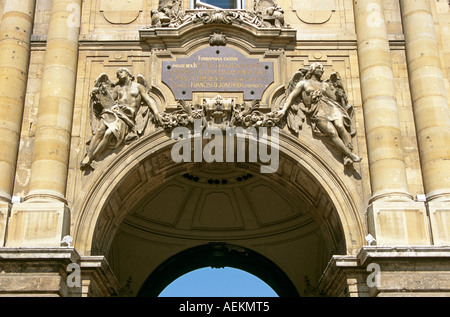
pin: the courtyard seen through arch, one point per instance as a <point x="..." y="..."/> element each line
<point x="222" y="282"/>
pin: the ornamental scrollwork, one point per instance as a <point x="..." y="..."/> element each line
<point x="265" y="14"/>
<point x="220" y="112"/>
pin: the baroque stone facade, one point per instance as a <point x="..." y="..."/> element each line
<point x="351" y="97"/>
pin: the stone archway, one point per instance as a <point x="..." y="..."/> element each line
<point x="325" y="204"/>
<point x="218" y="255"/>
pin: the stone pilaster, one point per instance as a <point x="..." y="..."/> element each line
<point x="393" y="217"/>
<point x="4" y="214"/>
<point x="15" y="36"/>
<point x="98" y="280"/>
<point x="431" y="111"/>
<point x="54" y="272"/>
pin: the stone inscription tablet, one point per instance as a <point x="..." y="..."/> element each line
<point x="217" y="69"/>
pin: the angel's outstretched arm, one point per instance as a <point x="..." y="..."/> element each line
<point x="294" y="94"/>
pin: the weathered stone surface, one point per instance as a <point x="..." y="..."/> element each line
<point x="138" y="208"/>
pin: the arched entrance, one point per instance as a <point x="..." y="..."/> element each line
<point x="218" y="255"/>
<point x="145" y="209"/>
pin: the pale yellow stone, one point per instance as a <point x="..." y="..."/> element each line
<point x="440" y="222"/>
<point x="15" y="36"/>
<point x="137" y="182"/>
<point x="384" y="140"/>
<point x="54" y="122"/>
<point x="37" y="225"/>
<point x="399" y="223"/>
<point x="4" y="213"/>
<point x="428" y="91"/>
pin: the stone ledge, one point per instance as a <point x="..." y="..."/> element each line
<point x="35" y="271"/>
<point x="407" y="270"/>
<point x="44" y="272"/>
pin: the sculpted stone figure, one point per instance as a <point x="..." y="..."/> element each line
<point x="168" y="14"/>
<point x="265" y="14"/>
<point x="326" y="105"/>
<point x="119" y="112"/>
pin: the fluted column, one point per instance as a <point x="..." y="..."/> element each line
<point x="15" y="35"/>
<point x="429" y="99"/>
<point x="54" y="122"/>
<point x="431" y="112"/>
<point x="381" y="119"/>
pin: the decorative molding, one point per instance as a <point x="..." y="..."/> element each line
<point x="314" y="12"/>
<point x="121" y="12"/>
<point x="217" y="39"/>
<point x="265" y="14"/>
<point x="171" y="27"/>
<point x="221" y="113"/>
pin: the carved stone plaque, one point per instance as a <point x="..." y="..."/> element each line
<point x="217" y="69"/>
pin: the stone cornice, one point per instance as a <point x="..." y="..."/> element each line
<point x="195" y="31"/>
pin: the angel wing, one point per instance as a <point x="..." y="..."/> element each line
<point x="298" y="76"/>
<point x="141" y="80"/>
<point x="101" y="98"/>
<point x="295" y="117"/>
<point x="143" y="114"/>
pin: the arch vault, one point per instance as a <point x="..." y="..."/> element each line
<point x="297" y="217"/>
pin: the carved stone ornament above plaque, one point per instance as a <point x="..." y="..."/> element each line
<point x="264" y="26"/>
<point x="221" y="113"/>
<point x="217" y="69"/>
<point x="265" y="14"/>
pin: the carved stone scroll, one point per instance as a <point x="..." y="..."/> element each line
<point x="221" y="113"/>
<point x="265" y="14"/>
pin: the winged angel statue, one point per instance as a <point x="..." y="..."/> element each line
<point x="325" y="103"/>
<point x="119" y="112"/>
